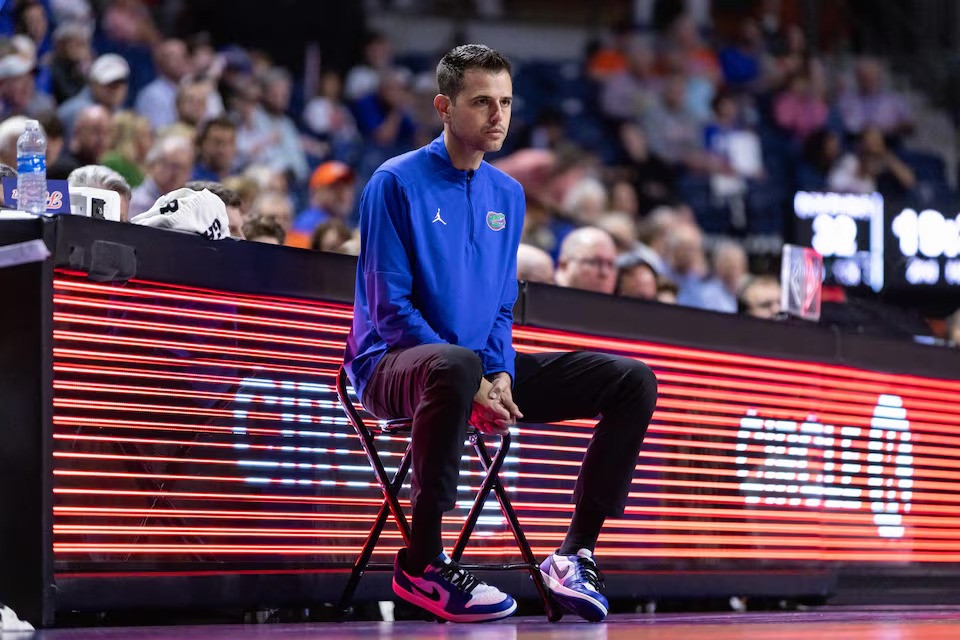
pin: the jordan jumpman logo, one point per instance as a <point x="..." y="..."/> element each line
<point x="438" y="218"/>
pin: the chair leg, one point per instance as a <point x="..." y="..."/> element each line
<point x="369" y="447"/>
<point x="393" y="489"/>
<point x="489" y="480"/>
<point x="553" y="612"/>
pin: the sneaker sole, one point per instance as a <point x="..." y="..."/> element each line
<point x="433" y="607"/>
<point x="594" y="611"/>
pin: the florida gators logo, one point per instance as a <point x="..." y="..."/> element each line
<point x="496" y="221"/>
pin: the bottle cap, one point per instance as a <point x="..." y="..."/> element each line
<point x="31" y="124"/>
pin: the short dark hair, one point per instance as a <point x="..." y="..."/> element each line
<point x="666" y="285"/>
<point x="342" y="230"/>
<point x="461" y="59"/>
<point x="229" y="196"/>
<point x="264" y="226"/>
<point x="628" y="264"/>
<point x="52" y="125"/>
<point x="749" y="283"/>
<point x="222" y="122"/>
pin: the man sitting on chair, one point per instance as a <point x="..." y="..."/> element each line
<point x="431" y="340"/>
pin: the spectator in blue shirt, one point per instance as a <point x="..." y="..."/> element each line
<point x="383" y="117"/>
<point x="216" y="149"/>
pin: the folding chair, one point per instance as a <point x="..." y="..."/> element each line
<point x="391" y="504"/>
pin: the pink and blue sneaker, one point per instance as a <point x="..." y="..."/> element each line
<point x="575" y="582"/>
<point x="450" y="592"/>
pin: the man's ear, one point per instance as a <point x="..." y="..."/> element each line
<point x="442" y="104"/>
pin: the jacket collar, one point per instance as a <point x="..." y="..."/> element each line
<point x="437" y="150"/>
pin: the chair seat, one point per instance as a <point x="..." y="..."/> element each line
<point x="399" y="425"/>
<point x="404" y="425"/>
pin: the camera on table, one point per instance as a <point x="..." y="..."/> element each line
<point x="101" y="204"/>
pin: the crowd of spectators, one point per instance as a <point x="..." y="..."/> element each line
<point x="674" y="150"/>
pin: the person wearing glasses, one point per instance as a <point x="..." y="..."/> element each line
<point x="588" y="260"/>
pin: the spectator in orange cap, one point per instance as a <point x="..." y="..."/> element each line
<point x="332" y="191"/>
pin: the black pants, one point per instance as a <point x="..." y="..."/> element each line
<point x="435" y="384"/>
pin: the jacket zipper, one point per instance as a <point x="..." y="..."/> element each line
<point x="470" y="220"/>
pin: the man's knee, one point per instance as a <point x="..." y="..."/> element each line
<point x="456" y="368"/>
<point x="639" y="376"/>
<point x="635" y="389"/>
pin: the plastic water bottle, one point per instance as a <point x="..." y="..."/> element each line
<point x="32" y="169"/>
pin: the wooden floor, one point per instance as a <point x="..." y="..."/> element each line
<point x="827" y="623"/>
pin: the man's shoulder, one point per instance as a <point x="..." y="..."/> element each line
<point x="74" y="104"/>
<point x="405" y="166"/>
<point x="154" y="86"/>
<point x="503" y="180"/>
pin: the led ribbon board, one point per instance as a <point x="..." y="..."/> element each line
<point x="201" y="428"/>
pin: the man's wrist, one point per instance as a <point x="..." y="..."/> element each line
<point x="499" y="374"/>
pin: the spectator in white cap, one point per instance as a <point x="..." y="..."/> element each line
<point x="18" y="89"/>
<point x="107" y="85"/>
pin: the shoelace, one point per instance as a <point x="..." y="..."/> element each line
<point x="590" y="572"/>
<point x="460" y="578"/>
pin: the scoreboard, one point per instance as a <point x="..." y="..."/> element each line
<point x="883" y="245"/>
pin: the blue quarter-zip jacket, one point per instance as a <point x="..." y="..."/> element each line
<point x="438" y="261"/>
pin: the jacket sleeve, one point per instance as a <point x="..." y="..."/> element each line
<point x="385" y="262"/>
<point x="498" y="353"/>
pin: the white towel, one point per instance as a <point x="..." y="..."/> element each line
<point x="188" y="210"/>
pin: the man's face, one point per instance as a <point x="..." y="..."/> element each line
<point x="76" y="48"/>
<point x="19" y="91"/>
<point x="219" y="149"/>
<point x="639" y="282"/>
<point x="173" y="60"/>
<point x="675" y="93"/>
<point x="276" y="96"/>
<point x="192" y="103"/>
<point x="110" y="95"/>
<point x="343" y="194"/>
<point x="35" y="20"/>
<point x="762" y="300"/>
<point x="235" y="216"/>
<point x="687" y="251"/>
<point x="592" y="267"/>
<point x="479" y="116"/>
<point x="92" y="137"/>
<point x="172" y="170"/>
<point x="278" y="209"/>
<point x="868" y="74"/>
